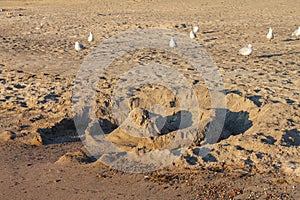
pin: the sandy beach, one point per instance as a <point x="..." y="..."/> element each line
<point x="43" y="152"/>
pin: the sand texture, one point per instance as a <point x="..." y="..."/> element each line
<point x="43" y="155"/>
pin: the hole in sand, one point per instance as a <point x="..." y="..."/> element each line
<point x="235" y="123"/>
<point x="63" y="131"/>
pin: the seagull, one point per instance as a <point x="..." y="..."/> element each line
<point x="192" y="35"/>
<point x="172" y="43"/>
<point x="78" y="46"/>
<point x="270" y="34"/>
<point x="91" y="37"/>
<point x="296" y="32"/>
<point x="246" y="51"/>
<point x="195" y="29"/>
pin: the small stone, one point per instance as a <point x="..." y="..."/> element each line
<point x="101" y="176"/>
<point x="281" y="181"/>
<point x="9" y="14"/>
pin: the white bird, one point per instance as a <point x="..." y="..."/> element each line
<point x="192" y="35"/>
<point x="296" y="32"/>
<point x="172" y="43"/>
<point x="270" y="34"/>
<point x="195" y="29"/>
<point x="246" y="51"/>
<point x="78" y="46"/>
<point x="91" y="37"/>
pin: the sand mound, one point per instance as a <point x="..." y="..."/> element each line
<point x="269" y="123"/>
<point x="7" y="136"/>
<point x="244" y="143"/>
<point x="79" y="157"/>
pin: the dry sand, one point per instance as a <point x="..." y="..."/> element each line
<point x="41" y="155"/>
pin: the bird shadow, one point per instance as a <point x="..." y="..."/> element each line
<point x="291" y="40"/>
<point x="291" y="53"/>
<point x="277" y="55"/>
<point x="270" y="55"/>
<point x="210" y="39"/>
<point x="208" y="32"/>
